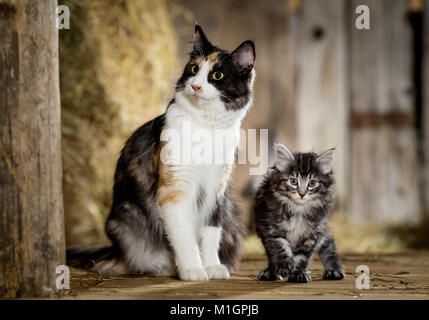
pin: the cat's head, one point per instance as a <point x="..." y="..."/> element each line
<point x="215" y="77"/>
<point x="303" y="178"/>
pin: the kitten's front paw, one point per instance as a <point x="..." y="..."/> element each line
<point x="333" y="275"/>
<point x="285" y="269"/>
<point x="299" y="277"/>
<point x="267" y="275"/>
<point x="218" y="271"/>
<point x="198" y="274"/>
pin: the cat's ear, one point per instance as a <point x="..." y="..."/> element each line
<point x="200" y="43"/>
<point x="283" y="155"/>
<point x="324" y="161"/>
<point x="244" y="56"/>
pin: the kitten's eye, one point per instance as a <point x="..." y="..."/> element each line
<point x="195" y="69"/>
<point x="311" y="183"/>
<point x="217" y="75"/>
<point x="293" y="181"/>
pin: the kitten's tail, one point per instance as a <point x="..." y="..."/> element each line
<point x="102" y="259"/>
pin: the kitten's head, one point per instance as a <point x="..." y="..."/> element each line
<point x="303" y="178"/>
<point x="217" y="77"/>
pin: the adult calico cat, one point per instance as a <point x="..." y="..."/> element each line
<point x="170" y="217"/>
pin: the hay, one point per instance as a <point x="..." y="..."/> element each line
<point x="116" y="66"/>
<point x="360" y="237"/>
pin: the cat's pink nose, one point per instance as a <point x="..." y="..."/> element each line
<point x="196" y="87"/>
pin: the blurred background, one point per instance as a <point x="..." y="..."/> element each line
<point x="320" y="83"/>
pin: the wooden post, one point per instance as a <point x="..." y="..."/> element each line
<point x="321" y="97"/>
<point x="384" y="154"/>
<point x="426" y="103"/>
<point x="31" y="208"/>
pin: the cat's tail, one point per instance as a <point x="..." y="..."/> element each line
<point x="101" y="259"/>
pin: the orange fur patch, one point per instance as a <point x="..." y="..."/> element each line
<point x="212" y="58"/>
<point x="167" y="192"/>
<point x="157" y="156"/>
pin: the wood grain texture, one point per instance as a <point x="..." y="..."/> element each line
<point x="31" y="207"/>
<point x="321" y="99"/>
<point x="392" y="276"/>
<point x="384" y="162"/>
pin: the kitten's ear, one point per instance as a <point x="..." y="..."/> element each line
<point x="244" y="56"/>
<point x="283" y="155"/>
<point x="200" y="43"/>
<point x="324" y="161"/>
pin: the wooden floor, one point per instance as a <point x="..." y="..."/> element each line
<point x="392" y="276"/>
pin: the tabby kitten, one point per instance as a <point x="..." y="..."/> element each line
<point x="178" y="217"/>
<point x="291" y="209"/>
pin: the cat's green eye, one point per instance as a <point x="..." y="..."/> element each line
<point x="217" y="75"/>
<point x="312" y="183"/>
<point x="293" y="181"/>
<point x="195" y="69"/>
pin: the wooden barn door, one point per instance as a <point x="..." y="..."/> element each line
<point x="384" y="167"/>
<point x="31" y="205"/>
<point x="321" y="106"/>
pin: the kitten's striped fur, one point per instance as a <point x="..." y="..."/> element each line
<point x="291" y="216"/>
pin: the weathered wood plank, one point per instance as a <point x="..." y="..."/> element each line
<point x="392" y="276"/>
<point x="321" y="99"/>
<point x="384" y="163"/>
<point x="31" y="208"/>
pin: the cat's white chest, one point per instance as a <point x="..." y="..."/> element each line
<point x="201" y="152"/>
<point x="209" y="183"/>
<point x="296" y="227"/>
<point x="200" y="141"/>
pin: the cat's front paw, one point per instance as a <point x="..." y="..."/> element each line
<point x="299" y="277"/>
<point x="217" y="271"/>
<point x="285" y="268"/>
<point x="333" y="275"/>
<point x="198" y="274"/>
<point x="267" y="275"/>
